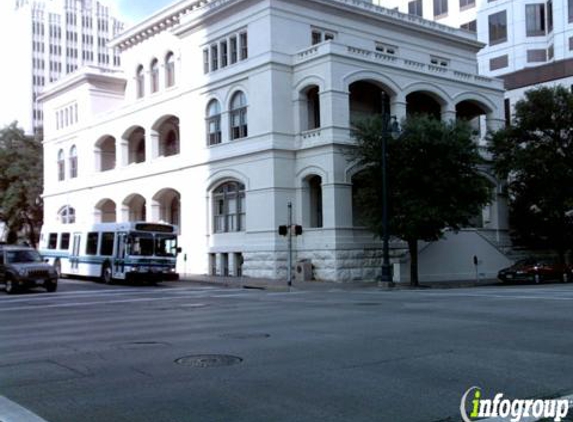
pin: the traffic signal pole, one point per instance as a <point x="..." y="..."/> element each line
<point x="289" y="263"/>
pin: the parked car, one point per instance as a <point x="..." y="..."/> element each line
<point x="536" y="270"/>
<point x="22" y="267"/>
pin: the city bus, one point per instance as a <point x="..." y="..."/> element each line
<point x="131" y="251"/>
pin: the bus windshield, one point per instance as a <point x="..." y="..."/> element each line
<point x="165" y="245"/>
<point x="140" y="244"/>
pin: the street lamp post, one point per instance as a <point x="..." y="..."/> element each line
<point x="390" y="127"/>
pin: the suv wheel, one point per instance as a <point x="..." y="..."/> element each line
<point x="51" y="286"/>
<point x="11" y="286"/>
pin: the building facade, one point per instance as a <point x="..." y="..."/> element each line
<point x="528" y="42"/>
<point x="55" y="38"/>
<point x="226" y="111"/>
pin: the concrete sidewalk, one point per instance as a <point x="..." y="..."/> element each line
<point x="282" y="285"/>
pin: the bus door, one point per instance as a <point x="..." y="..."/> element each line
<point x="120" y="252"/>
<point x="75" y="255"/>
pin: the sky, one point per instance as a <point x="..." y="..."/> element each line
<point x="133" y="11"/>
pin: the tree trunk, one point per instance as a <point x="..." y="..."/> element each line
<point x="413" y="249"/>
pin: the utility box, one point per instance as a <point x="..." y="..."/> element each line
<point x="303" y="270"/>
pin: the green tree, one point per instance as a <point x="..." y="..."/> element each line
<point x="433" y="180"/>
<point x="21" y="184"/>
<point x="535" y="156"/>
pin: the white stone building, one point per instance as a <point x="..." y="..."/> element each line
<point x="227" y="110"/>
<point x="48" y="39"/>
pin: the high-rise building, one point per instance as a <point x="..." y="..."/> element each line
<point x="45" y="40"/>
<point x="527" y="42"/>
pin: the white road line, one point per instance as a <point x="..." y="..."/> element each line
<point x="81" y="304"/>
<point x="501" y="296"/>
<point x="12" y="412"/>
<point x="96" y="293"/>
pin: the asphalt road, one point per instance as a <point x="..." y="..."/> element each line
<point x="182" y="352"/>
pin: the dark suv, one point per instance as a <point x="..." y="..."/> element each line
<point x="23" y="267"/>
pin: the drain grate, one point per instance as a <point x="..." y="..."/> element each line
<point x="244" y="336"/>
<point x="368" y="304"/>
<point x="208" y="361"/>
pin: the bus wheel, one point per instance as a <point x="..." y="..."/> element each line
<point x="106" y="275"/>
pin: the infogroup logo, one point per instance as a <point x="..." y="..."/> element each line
<point x="512" y="410"/>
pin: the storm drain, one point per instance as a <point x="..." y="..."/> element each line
<point x="208" y="361"/>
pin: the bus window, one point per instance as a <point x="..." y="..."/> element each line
<point x="65" y="241"/>
<point x="107" y="244"/>
<point x="165" y="245"/>
<point x="91" y="245"/>
<point x="52" y="240"/>
<point x="140" y="244"/>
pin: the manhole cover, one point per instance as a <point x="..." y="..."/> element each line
<point x="245" y="336"/>
<point x="208" y="361"/>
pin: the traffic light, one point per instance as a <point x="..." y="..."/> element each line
<point x="283" y="230"/>
<point x="297" y="230"/>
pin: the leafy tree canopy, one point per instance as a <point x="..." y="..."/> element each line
<point x="535" y="155"/>
<point x="433" y="179"/>
<point x="21" y="183"/>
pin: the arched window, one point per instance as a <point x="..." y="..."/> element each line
<point x="73" y="162"/>
<point x="169" y="69"/>
<point x="67" y="215"/>
<point x="140" y="81"/>
<point x="61" y="165"/>
<point x="229" y="208"/>
<point x="154" y="75"/>
<point x="168" y="132"/>
<point x="313" y="108"/>
<point x="213" y="123"/>
<point x="315" y="201"/>
<point x="239" y="116"/>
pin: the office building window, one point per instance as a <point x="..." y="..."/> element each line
<point x="535" y="19"/>
<point x="467" y="4"/>
<point x="415" y="8"/>
<point x="440" y="8"/>
<point x="497" y="28"/>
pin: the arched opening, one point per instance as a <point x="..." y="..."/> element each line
<point x="239" y="128"/>
<point x="140" y="81"/>
<point x="366" y="100"/>
<point x="61" y="165"/>
<point x="169" y="70"/>
<point x="213" y="122"/>
<point x="135" y="207"/>
<point x="136" y="145"/>
<point x="73" y="162"/>
<point x="168" y="202"/>
<point x="105" y="211"/>
<point x="229" y="210"/>
<point x="67" y="215"/>
<point x="168" y="136"/>
<point x="154" y="76"/>
<point x="359" y="183"/>
<point x="105" y="153"/>
<point x="421" y="103"/>
<point x="310" y="108"/>
<point x="312" y="201"/>
<point x="475" y="115"/>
